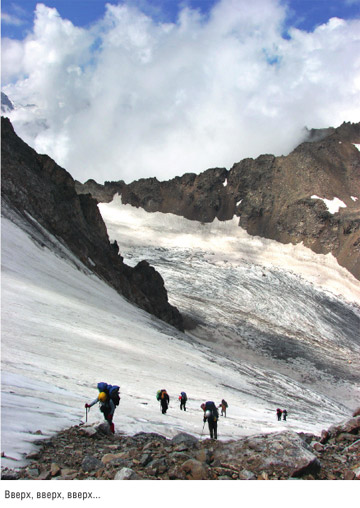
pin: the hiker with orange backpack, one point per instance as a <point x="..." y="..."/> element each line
<point x="163" y="397"/>
<point x="108" y="398"/>
<point x="223" y="406"/>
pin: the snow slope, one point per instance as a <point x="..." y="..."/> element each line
<point x="63" y="330"/>
<point x="279" y="306"/>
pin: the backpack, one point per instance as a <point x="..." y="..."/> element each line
<point x="114" y="394"/>
<point x="158" y="394"/>
<point x="163" y="393"/>
<point x="111" y="390"/>
<point x="210" y="406"/>
<point x="183" y="396"/>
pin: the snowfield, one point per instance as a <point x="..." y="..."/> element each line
<point x="275" y="327"/>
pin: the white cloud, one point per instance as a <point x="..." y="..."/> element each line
<point x="130" y="97"/>
<point x="10" y="19"/>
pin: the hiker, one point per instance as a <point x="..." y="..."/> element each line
<point x="163" y="397"/>
<point x="279" y="413"/>
<point x="211" y="415"/>
<point x="108" y="398"/>
<point x="284" y="414"/>
<point x="223" y="406"/>
<point x="183" y="399"/>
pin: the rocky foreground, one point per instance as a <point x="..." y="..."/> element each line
<point x="90" y="453"/>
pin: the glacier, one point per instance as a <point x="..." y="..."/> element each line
<point x="269" y="325"/>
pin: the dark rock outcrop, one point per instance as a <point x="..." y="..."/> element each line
<point x="84" y="452"/>
<point x="6" y="104"/>
<point x="43" y="194"/>
<point x="272" y="196"/>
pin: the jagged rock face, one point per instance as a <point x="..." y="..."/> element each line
<point x="271" y="195"/>
<point x="6" y="104"/>
<point x="103" y="193"/>
<point x="39" y="190"/>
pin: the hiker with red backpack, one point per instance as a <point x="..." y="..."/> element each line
<point x="183" y="399"/>
<point x="211" y="415"/>
<point x="278" y="413"/>
<point x="163" y="397"/>
<point x="108" y="398"/>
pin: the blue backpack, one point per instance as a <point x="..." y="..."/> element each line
<point x="111" y="390"/>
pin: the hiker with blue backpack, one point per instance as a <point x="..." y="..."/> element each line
<point x="108" y="398"/>
<point x="211" y="415"/>
<point x="183" y="399"/>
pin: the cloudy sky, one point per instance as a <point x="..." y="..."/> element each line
<point x="123" y="90"/>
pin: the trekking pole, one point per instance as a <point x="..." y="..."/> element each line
<point x="202" y="430"/>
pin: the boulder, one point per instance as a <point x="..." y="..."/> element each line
<point x="126" y="474"/>
<point x="351" y="426"/>
<point x="55" y="469"/>
<point x="318" y="447"/>
<point x="157" y="466"/>
<point x="91" y="464"/>
<point x="282" y="450"/>
<point x="184" y="438"/>
<point x="194" y="470"/>
<point x="87" y="431"/>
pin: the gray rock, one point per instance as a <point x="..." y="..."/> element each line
<point x="88" y="431"/>
<point x="349" y="426"/>
<point x="195" y="470"/>
<point x="104" y="428"/>
<point x="91" y="464"/>
<point x="354" y="447"/>
<point x="145" y="459"/>
<point x="318" y="447"/>
<point x="9" y="474"/>
<point x="246" y="475"/>
<point x="126" y="474"/>
<point x="184" y="438"/>
<point x="285" y="450"/>
<point x="158" y="466"/>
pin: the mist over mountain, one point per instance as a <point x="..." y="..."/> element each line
<point x="287" y="199"/>
<point x="6" y="104"/>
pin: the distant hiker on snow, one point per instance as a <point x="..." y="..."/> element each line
<point x="211" y="415"/>
<point x="223" y="406"/>
<point x="183" y="399"/>
<point x="164" y="399"/>
<point x="284" y="414"/>
<point x="278" y="413"/>
<point x="108" y="398"/>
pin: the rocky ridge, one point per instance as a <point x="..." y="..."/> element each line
<point x="88" y="452"/>
<point x="272" y="196"/>
<point x="40" y="196"/>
